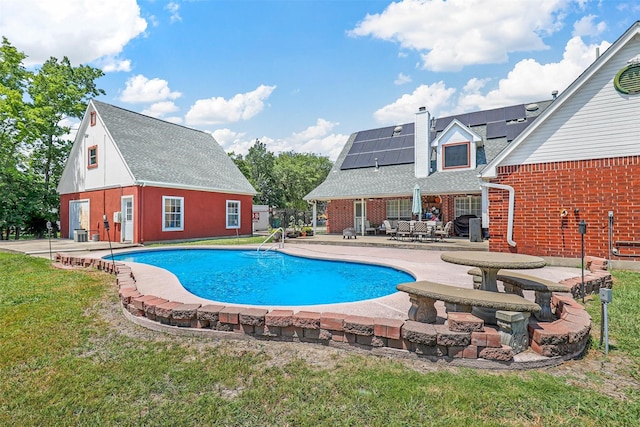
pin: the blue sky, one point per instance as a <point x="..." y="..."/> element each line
<point x="303" y="75"/>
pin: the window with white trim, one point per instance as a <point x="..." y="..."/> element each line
<point x="456" y="156"/>
<point x="172" y="213"/>
<point x="233" y="213"/>
<point x="468" y="205"/>
<point x="399" y="209"/>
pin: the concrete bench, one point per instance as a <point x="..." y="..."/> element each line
<point x="349" y="233"/>
<point x="515" y="283"/>
<point x="424" y="294"/>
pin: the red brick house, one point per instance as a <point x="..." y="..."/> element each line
<point x="152" y="180"/>
<point x="374" y="176"/>
<point x="580" y="160"/>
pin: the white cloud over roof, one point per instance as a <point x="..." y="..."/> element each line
<point x="140" y="89"/>
<point x="217" y="110"/>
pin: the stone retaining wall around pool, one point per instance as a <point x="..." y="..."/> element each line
<point x="463" y="337"/>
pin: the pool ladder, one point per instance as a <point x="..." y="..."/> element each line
<point x="279" y="243"/>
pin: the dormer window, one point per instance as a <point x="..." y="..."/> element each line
<point x="92" y="157"/>
<point x="92" y="118"/>
<point x="457" y="155"/>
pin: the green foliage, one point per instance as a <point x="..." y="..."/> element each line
<point x="34" y="142"/>
<point x="282" y="180"/>
<point x="69" y="358"/>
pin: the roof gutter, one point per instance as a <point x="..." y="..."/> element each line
<point x="512" y="198"/>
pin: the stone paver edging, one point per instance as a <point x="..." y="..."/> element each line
<point x="464" y="340"/>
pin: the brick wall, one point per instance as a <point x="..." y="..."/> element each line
<point x="340" y="213"/>
<point x="587" y="189"/>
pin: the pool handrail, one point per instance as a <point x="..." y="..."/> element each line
<point x="279" y="243"/>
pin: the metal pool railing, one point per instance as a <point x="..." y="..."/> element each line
<point x="279" y="243"/>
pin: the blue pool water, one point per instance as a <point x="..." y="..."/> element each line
<point x="271" y="278"/>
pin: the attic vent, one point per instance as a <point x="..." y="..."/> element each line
<point x="532" y="107"/>
<point x="627" y="80"/>
<point x="397" y="130"/>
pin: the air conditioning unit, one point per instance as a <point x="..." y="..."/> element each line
<point x="117" y="217"/>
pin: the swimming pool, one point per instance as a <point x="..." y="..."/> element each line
<point x="271" y="278"/>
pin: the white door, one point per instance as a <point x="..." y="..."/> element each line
<point x="127" y="219"/>
<point x="360" y="213"/>
<point x="78" y="216"/>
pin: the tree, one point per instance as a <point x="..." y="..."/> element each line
<point x="261" y="164"/>
<point x="59" y="91"/>
<point x="299" y="173"/>
<point x="282" y="181"/>
<point x="34" y="142"/>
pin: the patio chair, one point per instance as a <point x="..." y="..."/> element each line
<point x="404" y="229"/>
<point x="389" y="230"/>
<point x="368" y="228"/>
<point x="421" y="230"/>
<point x="445" y="232"/>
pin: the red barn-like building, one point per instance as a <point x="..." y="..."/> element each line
<point x="152" y="180"/>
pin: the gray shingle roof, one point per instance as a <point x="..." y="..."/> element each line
<point x="163" y="152"/>
<point x="399" y="180"/>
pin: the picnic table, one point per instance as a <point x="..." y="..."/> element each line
<point x="490" y="263"/>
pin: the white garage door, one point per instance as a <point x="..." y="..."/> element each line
<point x="78" y="216"/>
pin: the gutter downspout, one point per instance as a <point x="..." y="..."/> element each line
<point x="512" y="197"/>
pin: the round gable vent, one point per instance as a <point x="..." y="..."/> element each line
<point x="627" y="80"/>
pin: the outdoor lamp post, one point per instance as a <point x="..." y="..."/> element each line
<point x="106" y="227"/>
<point x="582" y="229"/>
<point x="49" y="234"/>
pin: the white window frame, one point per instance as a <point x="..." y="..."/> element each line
<point x="228" y="214"/>
<point x="165" y="213"/>
<point x="468" y="205"/>
<point x="397" y="207"/>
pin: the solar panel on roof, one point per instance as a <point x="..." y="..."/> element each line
<point x="443" y="123"/>
<point x="496" y="129"/>
<point x="406" y="155"/>
<point x="515" y="129"/>
<point x="348" y="162"/>
<point x="495" y="115"/>
<point x="381" y="144"/>
<point x="477" y="118"/>
<point x="391" y="157"/>
<point x="514" y="112"/>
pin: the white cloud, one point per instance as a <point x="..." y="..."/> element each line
<point x="110" y="64"/>
<point x="402" y="79"/>
<point x="315" y="139"/>
<point x="174" y="10"/>
<point x="455" y="33"/>
<point x="531" y="81"/>
<point x="232" y="141"/>
<point x="318" y="139"/>
<point x="140" y="89"/>
<point x="81" y="30"/>
<point x="586" y="27"/>
<point x="242" y="106"/>
<point x="160" y="109"/>
<point x="435" y="97"/>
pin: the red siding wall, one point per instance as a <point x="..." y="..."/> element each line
<point x="586" y="189"/>
<point x="100" y="203"/>
<point x="204" y="213"/>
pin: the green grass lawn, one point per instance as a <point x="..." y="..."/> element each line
<point x="67" y="357"/>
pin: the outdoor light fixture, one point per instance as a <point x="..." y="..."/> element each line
<point x="582" y="229"/>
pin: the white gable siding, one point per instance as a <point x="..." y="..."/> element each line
<point x="111" y="170"/>
<point x="453" y="135"/>
<point x="597" y="122"/>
